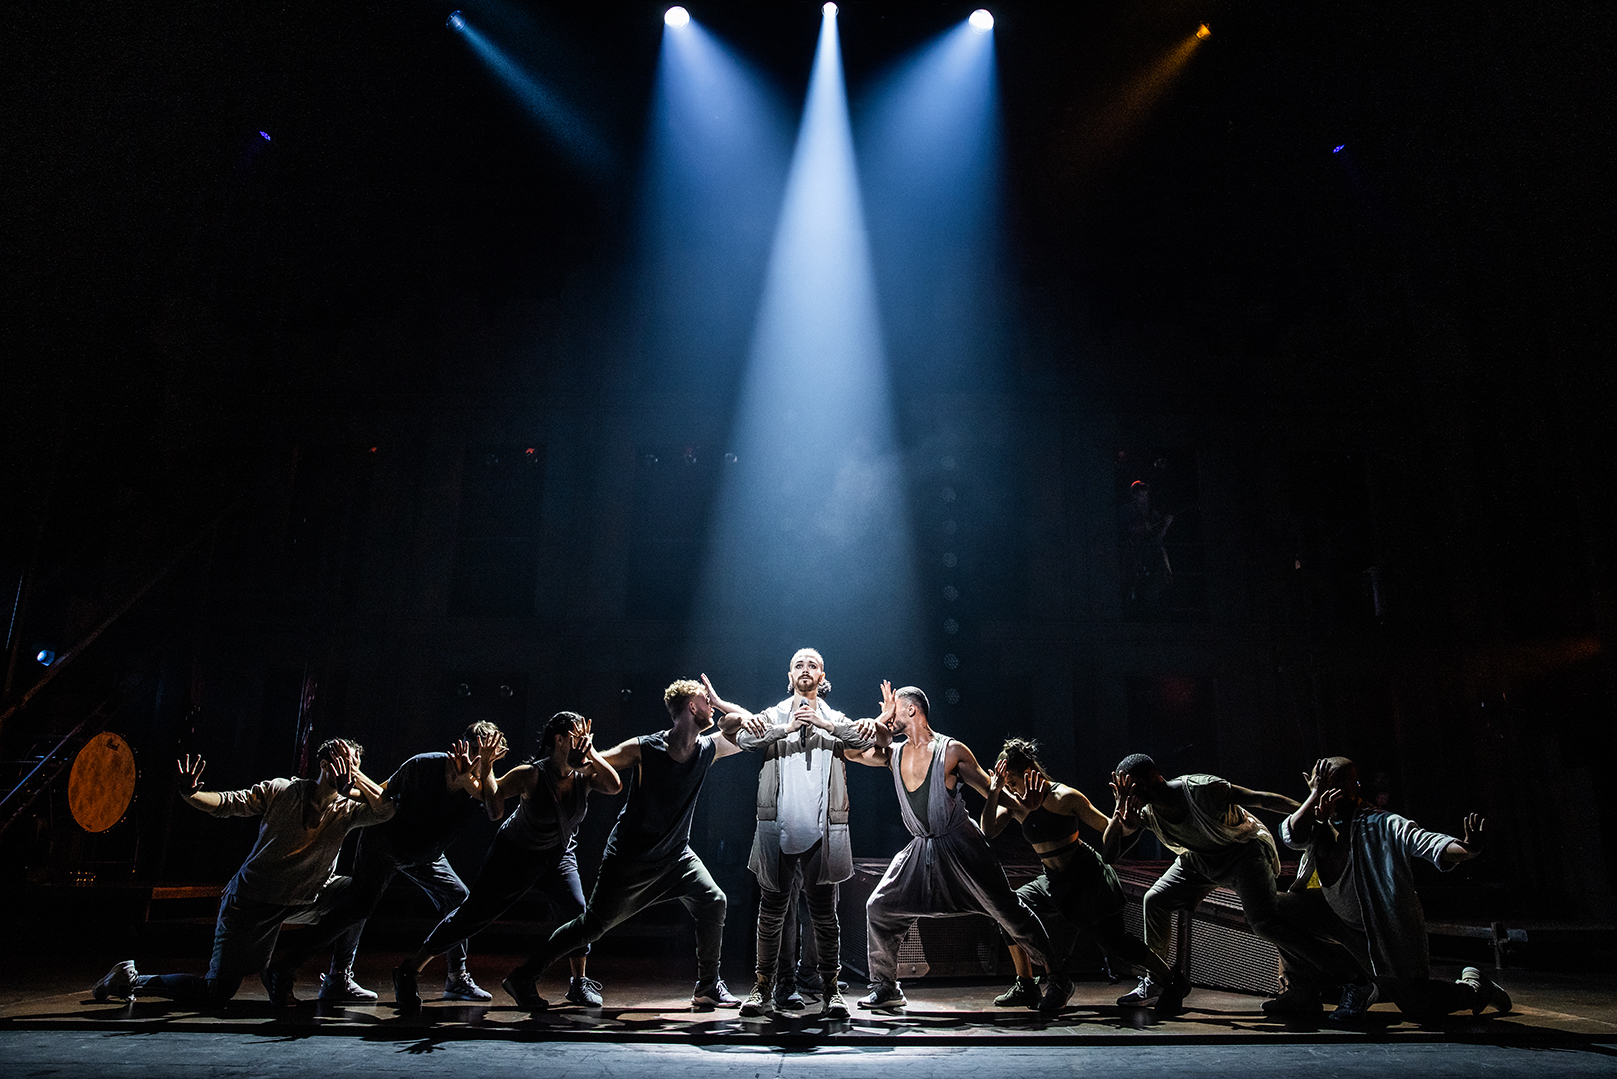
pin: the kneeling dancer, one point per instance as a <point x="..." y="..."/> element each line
<point x="287" y="876"/>
<point x="1364" y="907"/>
<point x="1076" y="883"/>
<point x="535" y="847"/>
<point x="648" y="857"/>
<point x="947" y="869"/>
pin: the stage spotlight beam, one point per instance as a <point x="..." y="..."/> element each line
<point x="982" y="20"/>
<point x="677" y="17"/>
<point x="829" y="10"/>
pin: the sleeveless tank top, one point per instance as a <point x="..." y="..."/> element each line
<point x="542" y="821"/>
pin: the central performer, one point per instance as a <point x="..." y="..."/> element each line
<point x="802" y="835"/>
<point x="947" y="869"/>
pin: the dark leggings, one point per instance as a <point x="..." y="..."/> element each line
<point x="507" y="874"/>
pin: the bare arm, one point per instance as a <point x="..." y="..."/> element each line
<point x="880" y="753"/>
<point x="513" y="784"/>
<point x="190" y="770"/>
<point x="490" y="748"/>
<point x="967" y="768"/>
<point x="600" y="775"/>
<point x="350" y="778"/>
<point x="1468" y="846"/>
<point x="1074" y="803"/>
<point x="1274" y="803"/>
<point x="1300" y="825"/>
<point x="622" y="756"/>
<point x="995" y="816"/>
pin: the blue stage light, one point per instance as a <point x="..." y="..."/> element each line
<point x="455" y="22"/>
<point x="1340" y="148"/>
<point x="829" y="10"/>
<point x="264" y="135"/>
<point x="676" y="17"/>
<point x="46" y="657"/>
<point x="981" y="21"/>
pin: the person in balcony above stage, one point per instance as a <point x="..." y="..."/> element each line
<point x="648" y="856"/>
<point x="947" y="868"/>
<point x="1076" y="884"/>
<point x="535" y="847"/>
<point x="1206" y="821"/>
<point x="435" y="795"/>
<point x="1355" y="894"/>
<point x="801" y="839"/>
<point x="288" y="876"/>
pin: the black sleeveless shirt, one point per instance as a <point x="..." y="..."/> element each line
<point x="655" y="823"/>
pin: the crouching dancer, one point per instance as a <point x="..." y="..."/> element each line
<point x="287" y="876"/>
<point x="1355" y="893"/>
<point x="435" y="794"/>
<point x="648" y="857"/>
<point x="947" y="869"/>
<point x="1076" y="883"/>
<point x="1206" y="821"/>
<point x="535" y="847"/>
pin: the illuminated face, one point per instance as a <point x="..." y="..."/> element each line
<point x="806" y="672"/>
<point x="701" y="711"/>
<point x="906" y="716"/>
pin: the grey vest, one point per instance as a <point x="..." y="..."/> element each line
<point x="945" y="808"/>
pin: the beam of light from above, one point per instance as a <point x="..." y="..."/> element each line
<point x="563" y="123"/>
<point x="1105" y="128"/>
<point x="930" y="149"/>
<point x="811" y="536"/>
<point x="718" y="143"/>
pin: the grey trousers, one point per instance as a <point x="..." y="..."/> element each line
<point x="939" y="877"/>
<point x="1252" y="877"/>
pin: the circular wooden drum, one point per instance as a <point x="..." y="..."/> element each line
<point x="102" y="783"/>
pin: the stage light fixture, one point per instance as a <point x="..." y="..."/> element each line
<point x="1340" y="148"/>
<point x="829" y="10"/>
<point x="455" y="22"/>
<point x="676" y="17"/>
<point x="264" y="135"/>
<point x="46" y="657"/>
<point x="1203" y="32"/>
<point x="981" y="20"/>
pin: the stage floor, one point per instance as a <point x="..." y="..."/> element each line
<point x="648" y="1002"/>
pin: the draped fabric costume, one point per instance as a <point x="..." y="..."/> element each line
<point x="946" y="870"/>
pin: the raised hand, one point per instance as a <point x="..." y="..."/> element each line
<point x="1471" y="838"/>
<point x="490" y="748"/>
<point x="1034" y="788"/>
<point x="190" y="769"/>
<point x="889" y="704"/>
<point x="996" y="779"/>
<point x="712" y="694"/>
<point x="1325" y="808"/>
<point x="866" y="728"/>
<point x="755" y="725"/>
<point x="580" y="737"/>
<point x="1317" y="778"/>
<point x="343" y="766"/>
<point x="1127" y="801"/>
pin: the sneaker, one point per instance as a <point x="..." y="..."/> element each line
<point x="1488" y="991"/>
<point x="1356" y="1001"/>
<point x="714" y="994"/>
<point x="1143" y="995"/>
<point x="119" y="982"/>
<point x="757" y="1002"/>
<point x="834" y="1006"/>
<point x="406" y="994"/>
<point x="342" y="989"/>
<point x="884" y="998"/>
<point x="279" y="979"/>
<point x="1023" y="993"/>
<point x="812" y="982"/>
<point x="1171" y="1001"/>
<point x="521" y="990"/>
<point x="459" y="986"/>
<point x="1301" y="1001"/>
<point x="585" y="992"/>
<point x="788" y="999"/>
<point x="1056" y="991"/>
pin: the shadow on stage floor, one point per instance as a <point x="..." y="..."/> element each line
<point x="649" y="1003"/>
